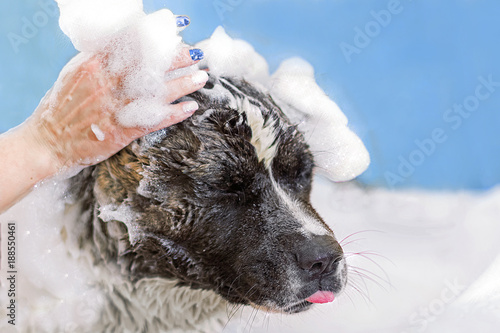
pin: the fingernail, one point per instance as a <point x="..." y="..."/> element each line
<point x="199" y="77"/>
<point x="182" y="21"/>
<point x="196" y="54"/>
<point x="190" y="107"/>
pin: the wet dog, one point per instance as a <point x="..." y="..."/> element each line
<point x="218" y="203"/>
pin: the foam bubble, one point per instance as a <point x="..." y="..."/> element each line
<point x="141" y="49"/>
<point x="98" y="133"/>
<point x="51" y="286"/>
<point x="89" y="23"/>
<point x="294" y="83"/>
<point x="138" y="48"/>
<point x="339" y="153"/>
<point x="226" y="56"/>
<point x="123" y="214"/>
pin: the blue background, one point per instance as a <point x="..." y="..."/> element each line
<point x="395" y="90"/>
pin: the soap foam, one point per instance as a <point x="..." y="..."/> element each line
<point x="140" y="48"/>
<point x="339" y="153"/>
<point x="98" y="133"/>
<point x="90" y="23"/>
<point x="52" y="290"/>
<point x="225" y="56"/>
<point x="136" y="47"/>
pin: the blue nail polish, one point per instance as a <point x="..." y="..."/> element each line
<point x="196" y="54"/>
<point x="182" y="21"/>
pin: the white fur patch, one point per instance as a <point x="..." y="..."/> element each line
<point x="162" y="306"/>
<point x="310" y="225"/>
<point x="264" y="137"/>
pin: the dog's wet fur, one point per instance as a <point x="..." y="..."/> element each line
<point x="219" y="202"/>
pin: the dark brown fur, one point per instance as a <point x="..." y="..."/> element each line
<point x="205" y="206"/>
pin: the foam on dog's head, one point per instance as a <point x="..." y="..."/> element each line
<point x="338" y="152"/>
<point x="141" y="48"/>
<point x="226" y="56"/>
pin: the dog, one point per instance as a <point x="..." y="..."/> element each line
<point x="211" y="211"/>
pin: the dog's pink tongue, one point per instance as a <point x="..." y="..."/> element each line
<point x="321" y="297"/>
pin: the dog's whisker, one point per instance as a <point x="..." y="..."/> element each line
<point x="347" y="294"/>
<point x="366" y="255"/>
<point x="361" y="292"/>
<point x="254" y="317"/>
<point x="360" y="279"/>
<point x="236" y="308"/>
<point x="356" y="233"/>
<point x="374" y="275"/>
<point x="352" y="241"/>
<point x="363" y="275"/>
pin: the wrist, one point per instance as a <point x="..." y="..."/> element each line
<point x="23" y="165"/>
<point x="37" y="157"/>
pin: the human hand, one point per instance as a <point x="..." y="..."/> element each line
<point x="77" y="126"/>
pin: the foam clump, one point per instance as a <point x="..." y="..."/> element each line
<point x="339" y="152"/>
<point x="99" y="134"/>
<point x="52" y="290"/>
<point x="294" y="83"/>
<point x="89" y="23"/>
<point x="140" y="49"/>
<point x="123" y="214"/>
<point x="226" y="56"/>
<point x="135" y="47"/>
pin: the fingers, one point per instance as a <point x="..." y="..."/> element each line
<point x="179" y="112"/>
<point x="186" y="57"/>
<point x="185" y="85"/>
<point x="176" y="89"/>
<point x="176" y="113"/>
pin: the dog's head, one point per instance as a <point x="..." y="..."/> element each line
<point x="221" y="202"/>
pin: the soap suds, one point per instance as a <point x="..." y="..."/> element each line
<point x="225" y="56"/>
<point x="140" y="48"/>
<point x="90" y="23"/>
<point x="136" y="47"/>
<point x="199" y="77"/>
<point x="123" y="214"/>
<point x="339" y="153"/>
<point x="52" y="287"/>
<point x="98" y="133"/>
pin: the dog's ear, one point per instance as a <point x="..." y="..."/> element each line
<point x="338" y="152"/>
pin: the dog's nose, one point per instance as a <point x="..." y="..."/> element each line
<point x="319" y="256"/>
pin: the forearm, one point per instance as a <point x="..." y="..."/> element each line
<point x="23" y="164"/>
